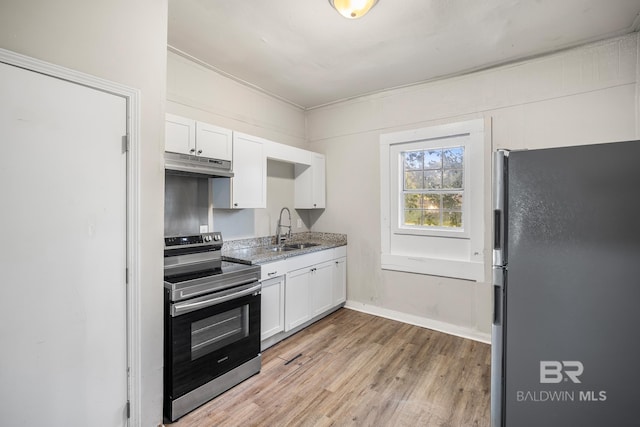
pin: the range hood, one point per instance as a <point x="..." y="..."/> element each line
<point x="204" y="167"/>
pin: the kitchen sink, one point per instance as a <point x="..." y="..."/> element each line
<point x="292" y="246"/>
<point x="278" y="249"/>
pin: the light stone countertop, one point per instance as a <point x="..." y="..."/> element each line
<point x="262" y="250"/>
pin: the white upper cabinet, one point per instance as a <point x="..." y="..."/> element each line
<point x="248" y="187"/>
<point x="213" y="141"/>
<point x="188" y="136"/>
<point x="310" y="184"/>
<point x="288" y="153"/>
<point x="250" y="172"/>
<point x="180" y="135"/>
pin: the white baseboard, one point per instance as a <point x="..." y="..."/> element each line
<point x="423" y="322"/>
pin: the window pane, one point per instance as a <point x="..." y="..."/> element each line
<point x="431" y="201"/>
<point x="413" y="180"/>
<point x="428" y="174"/>
<point x="433" y="159"/>
<point x="431" y="218"/>
<point x="452" y="178"/>
<point x="452" y="202"/>
<point x="412" y="201"/>
<point x="453" y="157"/>
<point x="413" y="159"/>
<point x="452" y="219"/>
<point x="433" y="179"/>
<point x="412" y="216"/>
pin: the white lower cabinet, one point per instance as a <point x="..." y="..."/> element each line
<point x="339" y="275"/>
<point x="299" y="289"/>
<point x="308" y="292"/>
<point x="296" y="301"/>
<point x="321" y="288"/>
<point x="340" y="280"/>
<point x="272" y="307"/>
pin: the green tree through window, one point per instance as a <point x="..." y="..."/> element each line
<point x="433" y="187"/>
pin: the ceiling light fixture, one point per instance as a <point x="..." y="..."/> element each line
<point x="353" y="9"/>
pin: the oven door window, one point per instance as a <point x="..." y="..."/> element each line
<point x="218" y="331"/>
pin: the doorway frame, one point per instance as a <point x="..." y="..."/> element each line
<point x="132" y="97"/>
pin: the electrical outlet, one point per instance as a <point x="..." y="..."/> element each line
<point x="204" y="228"/>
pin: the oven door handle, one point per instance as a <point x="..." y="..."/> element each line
<point x="186" y="307"/>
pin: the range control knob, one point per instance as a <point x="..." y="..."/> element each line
<point x="216" y="237"/>
<point x="207" y="238"/>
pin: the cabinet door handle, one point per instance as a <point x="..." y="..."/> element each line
<point x="272" y="273"/>
<point x="193" y="150"/>
<point x="199" y="151"/>
<point x="235" y="204"/>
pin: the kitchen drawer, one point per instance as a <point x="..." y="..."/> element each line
<point x="306" y="260"/>
<point x="340" y="252"/>
<point x="273" y="269"/>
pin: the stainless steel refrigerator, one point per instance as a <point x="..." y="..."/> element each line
<point x="566" y="328"/>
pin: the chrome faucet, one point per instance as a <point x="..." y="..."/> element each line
<point x="279" y="238"/>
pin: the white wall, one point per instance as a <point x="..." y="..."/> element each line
<point x="581" y="96"/>
<point x="280" y="193"/>
<point x="195" y="91"/>
<point x="123" y="41"/>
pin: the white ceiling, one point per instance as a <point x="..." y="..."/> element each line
<point x="304" y="52"/>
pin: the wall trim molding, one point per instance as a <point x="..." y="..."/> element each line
<point x="230" y="76"/>
<point x="423" y="322"/>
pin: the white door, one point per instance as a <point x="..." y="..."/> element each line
<point x="63" y="351"/>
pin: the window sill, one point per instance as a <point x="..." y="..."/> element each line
<point x="439" y="232"/>
<point x="466" y="270"/>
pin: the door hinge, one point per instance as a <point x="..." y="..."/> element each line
<point x="128" y="409"/>
<point x="125" y="143"/>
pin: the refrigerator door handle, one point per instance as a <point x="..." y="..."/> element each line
<point x="500" y="160"/>
<point x="497" y="347"/>
<point x="497" y="229"/>
<point x="498" y="295"/>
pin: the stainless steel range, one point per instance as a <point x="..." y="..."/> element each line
<point x="212" y="322"/>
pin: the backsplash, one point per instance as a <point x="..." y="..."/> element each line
<point x="186" y="204"/>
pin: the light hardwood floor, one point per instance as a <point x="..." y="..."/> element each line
<point x="354" y="369"/>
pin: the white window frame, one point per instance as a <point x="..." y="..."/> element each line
<point x="435" y="251"/>
<point x="396" y="181"/>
